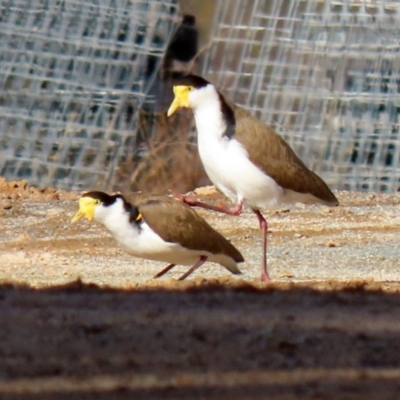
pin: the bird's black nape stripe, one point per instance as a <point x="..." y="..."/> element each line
<point x="133" y="212"/>
<point x="229" y="117"/>
<point x="104" y="198"/>
<point x="108" y="200"/>
<point x="192" y="80"/>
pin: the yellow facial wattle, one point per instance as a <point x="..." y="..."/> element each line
<point x="181" y="99"/>
<point x="87" y="206"/>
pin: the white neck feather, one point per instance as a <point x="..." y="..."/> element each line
<point x="206" y="107"/>
<point x="115" y="219"/>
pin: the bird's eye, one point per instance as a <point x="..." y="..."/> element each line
<point x="97" y="202"/>
<point x="190" y="88"/>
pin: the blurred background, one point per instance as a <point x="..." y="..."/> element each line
<point x="85" y="87"/>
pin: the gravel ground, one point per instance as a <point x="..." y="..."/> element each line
<point x="357" y="240"/>
<point x="83" y="319"/>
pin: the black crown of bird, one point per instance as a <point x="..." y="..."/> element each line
<point x="245" y="158"/>
<point x="160" y="228"/>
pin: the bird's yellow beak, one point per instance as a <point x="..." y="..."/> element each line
<point x="86" y="208"/>
<point x="181" y="99"/>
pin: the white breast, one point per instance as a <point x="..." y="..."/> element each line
<point x="145" y="243"/>
<point x="228" y="166"/>
<point x="142" y="241"/>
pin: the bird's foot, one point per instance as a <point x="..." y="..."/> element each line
<point x="222" y="207"/>
<point x="190" y="201"/>
<point x="265" y="277"/>
<point x="219" y="207"/>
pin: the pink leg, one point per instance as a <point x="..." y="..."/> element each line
<point x="164" y="271"/>
<point x="199" y="263"/>
<point x="264" y="228"/>
<point x="192" y="202"/>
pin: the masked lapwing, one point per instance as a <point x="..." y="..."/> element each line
<point x="245" y="158"/>
<point x="160" y="228"/>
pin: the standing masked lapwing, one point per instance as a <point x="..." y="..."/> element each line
<point x="244" y="158"/>
<point x="161" y="229"/>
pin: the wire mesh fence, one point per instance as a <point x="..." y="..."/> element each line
<point x="324" y="73"/>
<point x="73" y="76"/>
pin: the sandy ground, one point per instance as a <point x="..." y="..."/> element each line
<point x="82" y="319"/>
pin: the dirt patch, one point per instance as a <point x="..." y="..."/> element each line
<point x="82" y="319"/>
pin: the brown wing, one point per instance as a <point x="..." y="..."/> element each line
<point x="138" y="198"/>
<point x="176" y="222"/>
<point x="275" y="157"/>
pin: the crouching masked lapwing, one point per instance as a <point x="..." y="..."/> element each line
<point x="161" y="229"/>
<point x="245" y="158"/>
